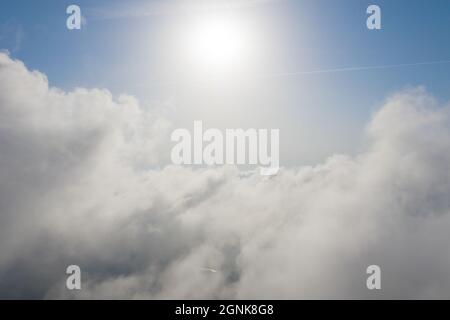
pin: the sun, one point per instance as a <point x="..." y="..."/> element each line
<point x="217" y="43"/>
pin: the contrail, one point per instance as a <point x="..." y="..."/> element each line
<point x="323" y="71"/>
<point x="361" y="68"/>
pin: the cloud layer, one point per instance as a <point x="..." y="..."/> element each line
<point x="83" y="180"/>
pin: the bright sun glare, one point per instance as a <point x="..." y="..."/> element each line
<point x="217" y="43"/>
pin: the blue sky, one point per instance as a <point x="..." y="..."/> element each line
<point x="126" y="48"/>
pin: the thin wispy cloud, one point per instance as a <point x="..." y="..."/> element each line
<point x="140" y="9"/>
<point x="13" y="33"/>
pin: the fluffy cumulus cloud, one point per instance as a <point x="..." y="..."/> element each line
<point x="84" y="180"/>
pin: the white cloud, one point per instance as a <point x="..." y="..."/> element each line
<point x="80" y="184"/>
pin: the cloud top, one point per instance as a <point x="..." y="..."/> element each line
<point x="83" y="181"/>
